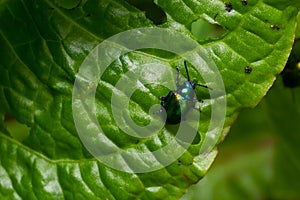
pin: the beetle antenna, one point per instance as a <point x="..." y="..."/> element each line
<point x="186" y="70"/>
<point x="205" y="86"/>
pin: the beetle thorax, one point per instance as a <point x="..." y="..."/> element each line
<point x="187" y="90"/>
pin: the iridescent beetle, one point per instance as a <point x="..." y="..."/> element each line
<point x="178" y="102"/>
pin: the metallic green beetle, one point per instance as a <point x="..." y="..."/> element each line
<point x="178" y="102"/>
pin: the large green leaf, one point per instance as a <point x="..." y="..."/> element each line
<point x="43" y="44"/>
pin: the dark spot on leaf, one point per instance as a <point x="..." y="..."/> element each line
<point x="244" y="2"/>
<point x="228" y="7"/>
<point x="152" y="11"/>
<point x="275" y="27"/>
<point x="88" y="15"/>
<point x="248" y="70"/>
<point x="179" y="162"/>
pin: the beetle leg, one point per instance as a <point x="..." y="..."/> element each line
<point x="178" y="77"/>
<point x="205" y="86"/>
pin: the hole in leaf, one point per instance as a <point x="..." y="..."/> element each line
<point x="152" y="11"/>
<point x="205" y="30"/>
<point x="17" y="130"/>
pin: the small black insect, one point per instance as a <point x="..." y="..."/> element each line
<point x="228" y="7"/>
<point x="244" y="2"/>
<point x="179" y="162"/>
<point x="275" y="27"/>
<point x="178" y="102"/>
<point x="248" y="69"/>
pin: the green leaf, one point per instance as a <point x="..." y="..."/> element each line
<point x="43" y="44"/>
